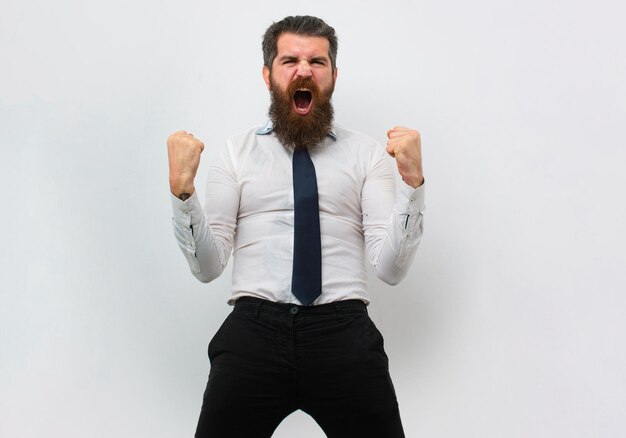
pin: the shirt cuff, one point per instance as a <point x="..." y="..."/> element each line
<point x="186" y="212"/>
<point x="413" y="198"/>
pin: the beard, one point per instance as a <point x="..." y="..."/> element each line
<point x="297" y="131"/>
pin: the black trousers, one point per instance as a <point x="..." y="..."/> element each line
<point x="269" y="359"/>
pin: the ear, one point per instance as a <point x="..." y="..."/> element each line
<point x="266" y="76"/>
<point x="335" y="74"/>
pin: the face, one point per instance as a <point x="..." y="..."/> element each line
<point x="301" y="56"/>
<point x="301" y="84"/>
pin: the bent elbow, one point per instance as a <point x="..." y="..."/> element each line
<point x="206" y="277"/>
<point x="391" y="278"/>
<point x="206" y="269"/>
<point x="392" y="281"/>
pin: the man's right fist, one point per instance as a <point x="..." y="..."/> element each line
<point x="183" y="152"/>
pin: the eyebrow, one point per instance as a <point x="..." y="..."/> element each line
<point x="287" y="58"/>
<point x="295" y="58"/>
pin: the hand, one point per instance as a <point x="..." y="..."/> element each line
<point x="405" y="145"/>
<point x="183" y="152"/>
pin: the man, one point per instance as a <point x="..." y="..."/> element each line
<point x="301" y="203"/>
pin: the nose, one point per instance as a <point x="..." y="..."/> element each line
<point x="304" y="69"/>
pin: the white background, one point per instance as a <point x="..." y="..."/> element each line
<point x="511" y="322"/>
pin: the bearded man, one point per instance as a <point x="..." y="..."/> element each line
<point x="302" y="204"/>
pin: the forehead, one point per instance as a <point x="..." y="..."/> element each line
<point x="302" y="45"/>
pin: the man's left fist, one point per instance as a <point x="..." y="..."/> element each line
<point x="405" y="145"/>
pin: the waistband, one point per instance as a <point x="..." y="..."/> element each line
<point x="267" y="306"/>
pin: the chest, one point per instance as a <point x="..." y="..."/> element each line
<point x="266" y="182"/>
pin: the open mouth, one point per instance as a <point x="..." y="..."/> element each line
<point x="302" y="101"/>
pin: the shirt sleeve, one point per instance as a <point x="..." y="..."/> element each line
<point x="391" y="240"/>
<point x="206" y="239"/>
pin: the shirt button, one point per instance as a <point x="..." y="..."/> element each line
<point x="293" y="310"/>
<point x="187" y="213"/>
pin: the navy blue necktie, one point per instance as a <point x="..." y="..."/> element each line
<point x="306" y="280"/>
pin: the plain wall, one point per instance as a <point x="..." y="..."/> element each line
<point x="511" y="320"/>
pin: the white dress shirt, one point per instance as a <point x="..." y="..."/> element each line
<point x="249" y="212"/>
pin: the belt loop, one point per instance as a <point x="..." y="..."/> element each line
<point x="338" y="311"/>
<point x="258" y="309"/>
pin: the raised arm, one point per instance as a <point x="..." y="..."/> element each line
<point x="205" y="239"/>
<point x="393" y="220"/>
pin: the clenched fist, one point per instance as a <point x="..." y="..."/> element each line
<point x="183" y="152"/>
<point x="405" y="145"/>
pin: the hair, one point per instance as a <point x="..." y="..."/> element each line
<point x="300" y="25"/>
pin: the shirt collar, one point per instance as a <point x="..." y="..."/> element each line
<point x="267" y="128"/>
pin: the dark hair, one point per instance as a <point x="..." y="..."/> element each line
<point x="300" y="25"/>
